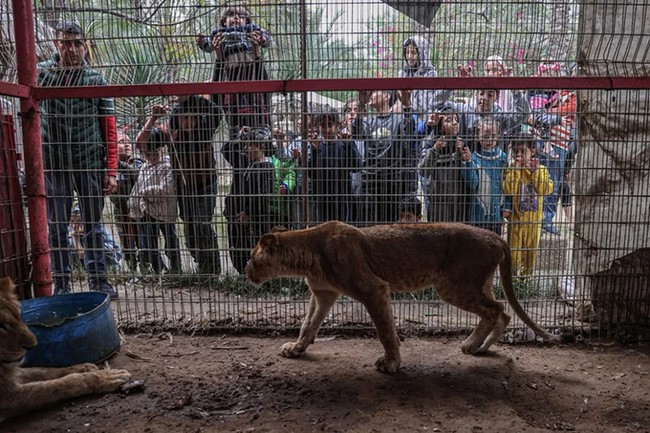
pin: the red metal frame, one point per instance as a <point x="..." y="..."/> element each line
<point x="33" y="151"/>
<point x="14" y="262"/>
<point x="16" y="90"/>
<point x="605" y="83"/>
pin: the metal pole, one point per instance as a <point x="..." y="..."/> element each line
<point x="304" y="118"/>
<point x="33" y="150"/>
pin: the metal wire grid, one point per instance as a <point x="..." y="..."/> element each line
<point x="156" y="44"/>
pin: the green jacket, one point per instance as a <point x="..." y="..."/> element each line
<point x="284" y="173"/>
<point x="71" y="132"/>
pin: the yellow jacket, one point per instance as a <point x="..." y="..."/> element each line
<point x="527" y="190"/>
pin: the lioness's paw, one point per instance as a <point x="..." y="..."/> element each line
<point x="387" y="366"/>
<point x="470" y="347"/>
<point x="110" y="380"/>
<point x="292" y="350"/>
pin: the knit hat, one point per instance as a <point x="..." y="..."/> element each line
<point x="67" y="26"/>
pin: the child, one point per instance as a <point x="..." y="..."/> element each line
<point x="331" y="163"/>
<point x="237" y="46"/>
<point x="441" y="167"/>
<point x="153" y="202"/>
<point x="410" y="210"/>
<point x="247" y="207"/>
<point x="284" y="180"/>
<point x="527" y="182"/>
<point x="76" y="234"/>
<point x="483" y="177"/>
<point x="127" y="229"/>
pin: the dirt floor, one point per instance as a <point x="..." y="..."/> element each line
<point x="241" y="384"/>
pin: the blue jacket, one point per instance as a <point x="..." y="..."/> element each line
<point x="483" y="177"/>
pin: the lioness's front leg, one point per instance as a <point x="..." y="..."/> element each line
<point x="35" y="395"/>
<point x="319" y="305"/>
<point x="34" y="374"/>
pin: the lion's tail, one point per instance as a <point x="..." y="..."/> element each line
<point x="505" y="269"/>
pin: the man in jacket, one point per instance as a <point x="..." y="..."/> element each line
<point x="80" y="152"/>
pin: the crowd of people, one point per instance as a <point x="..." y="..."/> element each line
<point x="496" y="159"/>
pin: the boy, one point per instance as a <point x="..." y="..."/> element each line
<point x="192" y="124"/>
<point x="410" y="210"/>
<point x="248" y="205"/>
<point x="527" y="182"/>
<point x="237" y="46"/>
<point x="153" y="202"/>
<point x="331" y="163"/>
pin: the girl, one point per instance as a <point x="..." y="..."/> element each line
<point x="484" y="175"/>
<point x="527" y="182"/>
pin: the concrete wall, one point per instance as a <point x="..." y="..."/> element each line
<point x="613" y="175"/>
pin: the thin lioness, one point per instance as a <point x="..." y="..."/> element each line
<point x="27" y="389"/>
<point x="368" y="264"/>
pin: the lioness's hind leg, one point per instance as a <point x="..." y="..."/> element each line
<point x="478" y="300"/>
<point x="472" y="344"/>
<point x="490" y="312"/>
<point x="496" y="333"/>
<point x="319" y="305"/>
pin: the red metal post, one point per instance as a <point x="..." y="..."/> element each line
<point x="33" y="150"/>
<point x="14" y="262"/>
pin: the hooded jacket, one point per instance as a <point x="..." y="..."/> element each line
<point x="423" y="101"/>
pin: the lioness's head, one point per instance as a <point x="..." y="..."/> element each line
<point x="264" y="261"/>
<point x="15" y="336"/>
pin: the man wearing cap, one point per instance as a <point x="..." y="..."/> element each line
<point x="80" y="153"/>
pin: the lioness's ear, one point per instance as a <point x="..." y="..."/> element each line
<point x="6" y="285"/>
<point x="278" y="229"/>
<point x="269" y="242"/>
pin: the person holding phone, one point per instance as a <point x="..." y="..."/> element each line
<point x="441" y="168"/>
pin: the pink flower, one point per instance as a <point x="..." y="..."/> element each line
<point x="520" y="56"/>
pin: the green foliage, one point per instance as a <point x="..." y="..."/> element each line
<point x="516" y="31"/>
<point x="238" y="285"/>
<point x="525" y="288"/>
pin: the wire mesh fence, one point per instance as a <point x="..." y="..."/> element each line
<point x="200" y="178"/>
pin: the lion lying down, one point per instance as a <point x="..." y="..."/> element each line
<point x="27" y="389"/>
<point x="368" y="264"/>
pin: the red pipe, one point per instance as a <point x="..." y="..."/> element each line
<point x="302" y="85"/>
<point x="33" y="150"/>
<point x="11" y="89"/>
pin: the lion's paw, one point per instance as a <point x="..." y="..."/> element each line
<point x="292" y="350"/>
<point x="387" y="366"/>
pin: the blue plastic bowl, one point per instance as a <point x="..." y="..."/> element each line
<point x="71" y="329"/>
